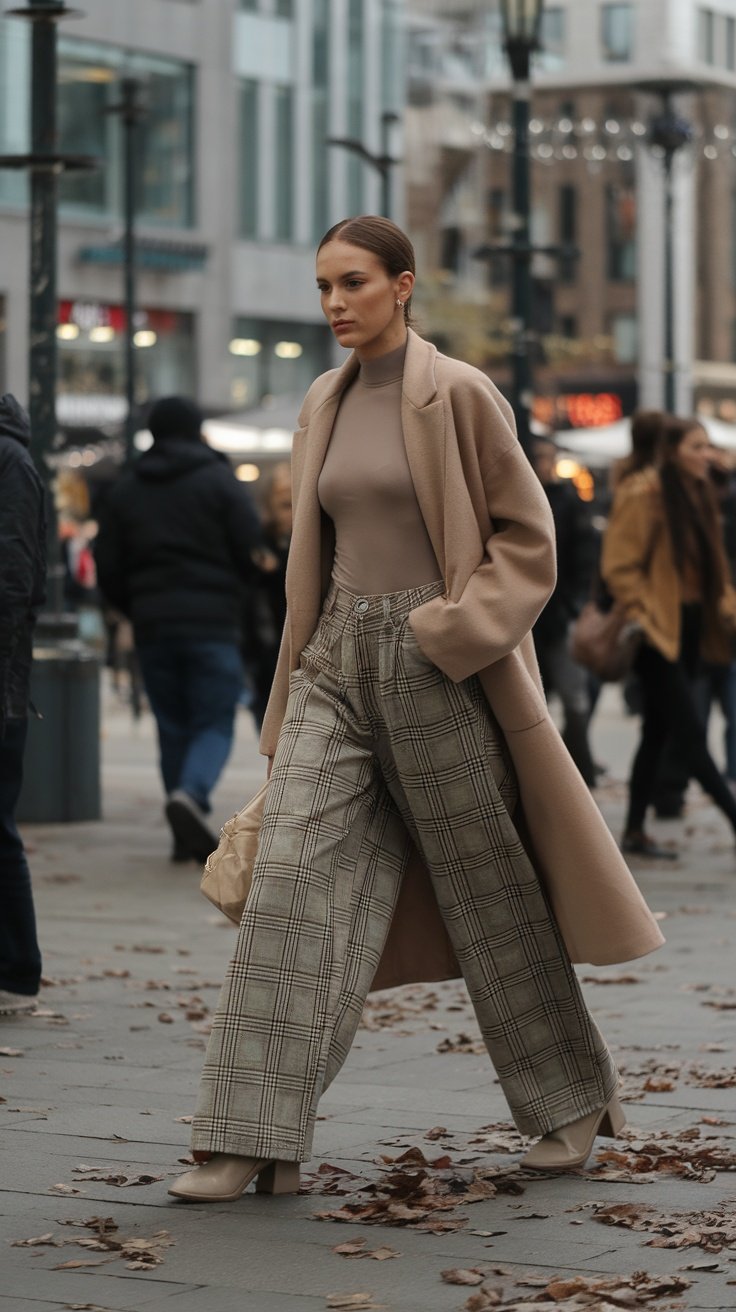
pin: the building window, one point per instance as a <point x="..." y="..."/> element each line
<point x="624" y="332"/>
<point x="451" y="249"/>
<point x="568" y="327"/>
<point x="568" y="228"/>
<point x="620" y="232"/>
<point x="281" y="8"/>
<point x="275" y="358"/>
<point x="617" y="33"/>
<point x="284" y="163"/>
<point x="707" y="36"/>
<point x="553" y="38"/>
<point x="89" y="83"/>
<point x="91" y="391"/>
<point x="249" y="159"/>
<point x="731" y="44"/>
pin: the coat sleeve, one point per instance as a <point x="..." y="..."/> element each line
<point x="110" y="558"/>
<point x="516" y="573"/>
<point x="627" y="547"/>
<point x="20" y="506"/>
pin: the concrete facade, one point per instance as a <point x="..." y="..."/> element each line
<point x="273" y="48"/>
<point x="459" y="77"/>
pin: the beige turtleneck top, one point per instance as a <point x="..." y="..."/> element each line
<point x="381" y="541"/>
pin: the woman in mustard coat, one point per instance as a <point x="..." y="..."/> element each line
<point x="407" y="732"/>
<point x="663" y="559"/>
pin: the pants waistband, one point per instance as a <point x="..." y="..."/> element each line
<point x="381" y="606"/>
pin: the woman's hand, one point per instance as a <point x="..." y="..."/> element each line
<point x="727" y="609"/>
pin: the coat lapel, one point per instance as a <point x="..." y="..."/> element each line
<point x="423" y="422"/>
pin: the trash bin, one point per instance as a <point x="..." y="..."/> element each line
<point x="61" y="774"/>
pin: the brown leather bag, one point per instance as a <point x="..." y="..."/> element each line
<point x="228" y="873"/>
<point x="604" y="641"/>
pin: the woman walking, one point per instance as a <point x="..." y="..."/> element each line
<point x="405" y="707"/>
<point x="663" y="559"/>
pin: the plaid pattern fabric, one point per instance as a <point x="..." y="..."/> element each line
<point x="377" y="744"/>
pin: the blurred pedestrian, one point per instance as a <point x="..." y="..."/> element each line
<point x="22" y="585"/>
<point x="663" y="559"/>
<point x="265" y="601"/>
<point x="577" y="561"/>
<point x="646" y="431"/>
<point x="408" y="627"/>
<point x="174" y="552"/>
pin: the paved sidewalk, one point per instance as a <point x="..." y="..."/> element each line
<point x="104" y="1077"/>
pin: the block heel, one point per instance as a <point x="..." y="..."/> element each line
<point x="614" y="1120"/>
<point x="278" y="1178"/>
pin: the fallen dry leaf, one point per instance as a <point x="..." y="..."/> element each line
<point x="118" y="1178"/>
<point x="359" y="1302"/>
<point x="351" y="1247"/>
<point x="11" y="1052"/>
<point x="484" y="1300"/>
<point x="463" y="1043"/>
<point x="462" y="1276"/>
<point x="75" y="1262"/>
<point x="32" y="1243"/>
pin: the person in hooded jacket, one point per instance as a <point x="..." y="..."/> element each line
<point x="22" y="589"/>
<point x="174" y="552"/>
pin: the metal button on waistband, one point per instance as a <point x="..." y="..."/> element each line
<point x="362" y="605"/>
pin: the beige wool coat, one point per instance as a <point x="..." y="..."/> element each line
<point x="492" y="532"/>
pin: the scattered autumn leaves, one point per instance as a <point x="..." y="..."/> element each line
<point x="139" y="1254"/>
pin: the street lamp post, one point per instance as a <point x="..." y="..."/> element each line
<point x="131" y="111"/>
<point x="62" y="763"/>
<point x="669" y="133"/>
<point x="45" y="164"/>
<point x="521" y="24"/>
<point x="382" y="163"/>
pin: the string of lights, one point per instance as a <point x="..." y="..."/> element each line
<point x="595" y="142"/>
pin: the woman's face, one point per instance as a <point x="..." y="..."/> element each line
<point x="359" y="299"/>
<point x="693" y="455"/>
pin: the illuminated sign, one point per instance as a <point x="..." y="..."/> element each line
<point x="578" y="409"/>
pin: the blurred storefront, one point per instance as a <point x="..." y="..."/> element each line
<point x="91" y="391"/>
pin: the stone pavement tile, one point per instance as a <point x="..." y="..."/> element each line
<point x="18" y="1304"/>
<point x="128" y="1294"/>
<point x="213" y="1298"/>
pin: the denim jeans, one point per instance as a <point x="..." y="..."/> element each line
<point x="193" y="686"/>
<point x="20" y="959"/>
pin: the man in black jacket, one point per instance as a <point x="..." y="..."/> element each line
<point x="576" y="564"/>
<point x="174" y="552"/>
<point x="22" y="580"/>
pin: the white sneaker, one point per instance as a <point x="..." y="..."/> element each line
<point x="13" y="1003"/>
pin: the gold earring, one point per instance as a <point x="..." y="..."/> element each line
<point x="401" y="303"/>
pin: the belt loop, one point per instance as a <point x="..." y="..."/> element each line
<point x="386" y="607"/>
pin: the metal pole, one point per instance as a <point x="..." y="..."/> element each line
<point x="129" y="114"/>
<point x="388" y="118"/>
<point x="521" y="262"/>
<point x="669" y="274"/>
<point x="43" y="243"/>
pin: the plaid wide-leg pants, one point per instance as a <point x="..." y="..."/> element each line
<point x="376" y="744"/>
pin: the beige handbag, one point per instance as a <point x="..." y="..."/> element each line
<point x="229" y="870"/>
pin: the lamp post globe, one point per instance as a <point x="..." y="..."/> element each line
<point x="522" y="21"/>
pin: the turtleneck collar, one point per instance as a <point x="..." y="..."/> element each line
<point x="387" y="368"/>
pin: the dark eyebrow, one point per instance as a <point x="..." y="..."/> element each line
<point x="355" y="273"/>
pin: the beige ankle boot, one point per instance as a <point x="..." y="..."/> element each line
<point x="226" y="1176"/>
<point x="571" y="1145"/>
